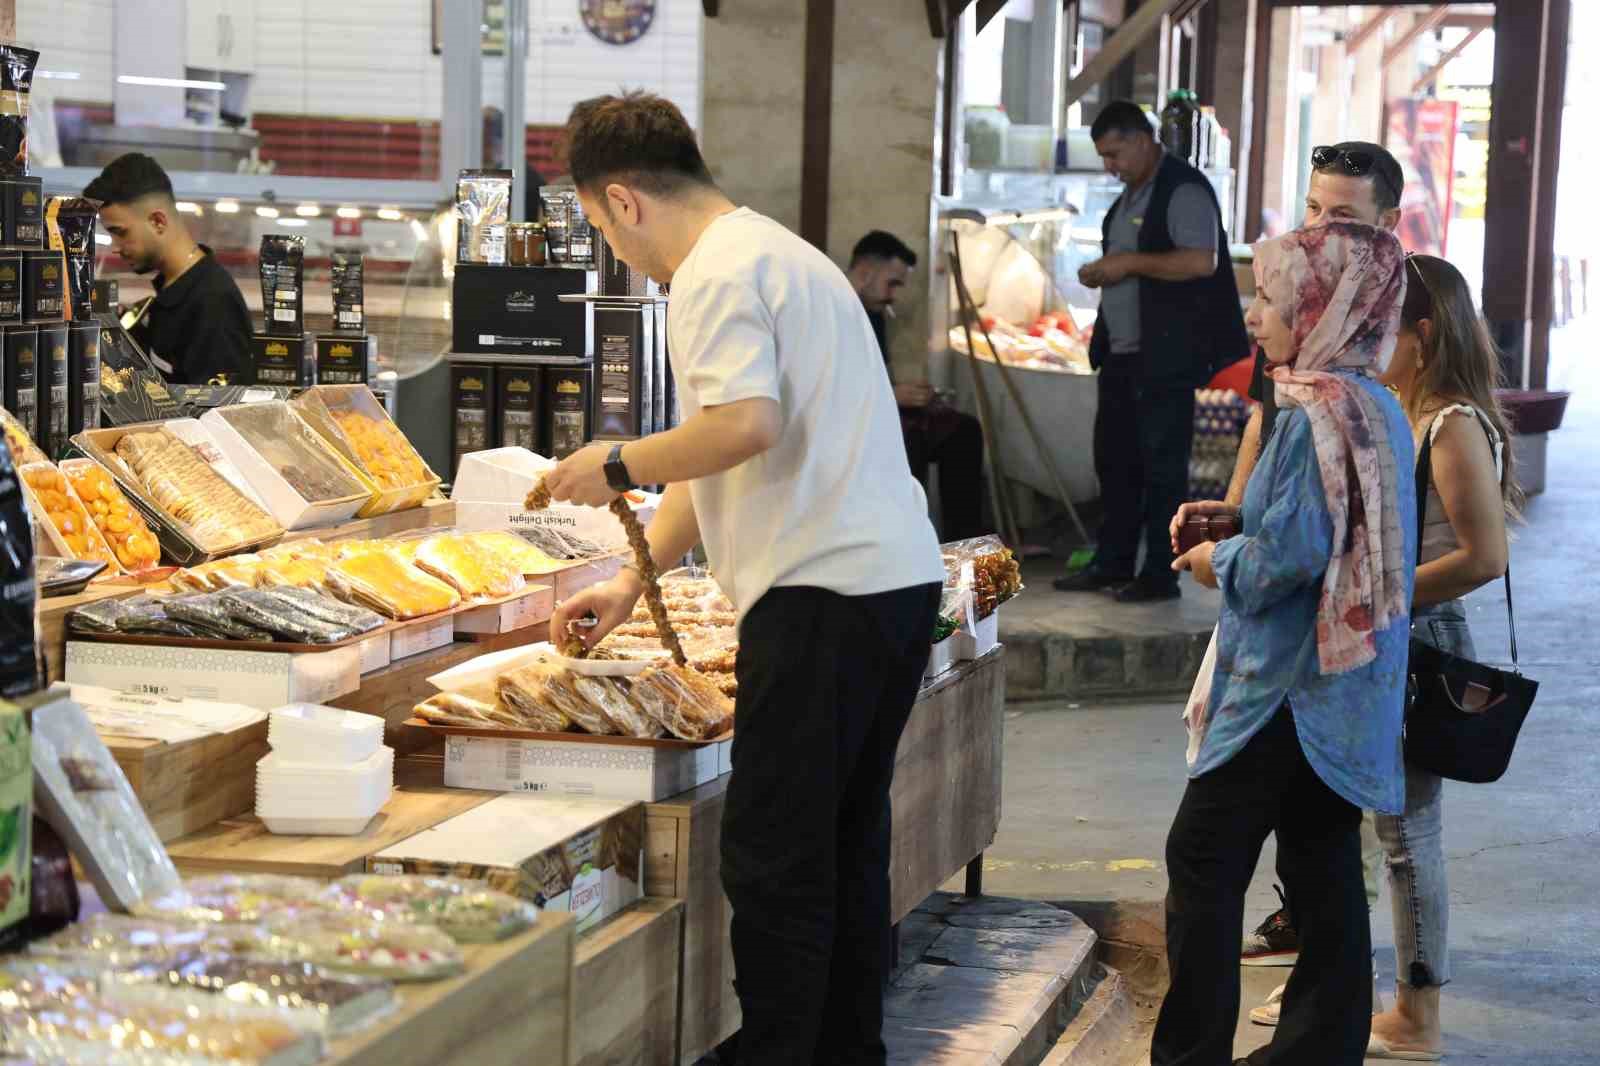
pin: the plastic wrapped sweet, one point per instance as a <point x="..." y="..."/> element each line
<point x="559" y="545"/>
<point x="208" y="611"/>
<point x="246" y="898"/>
<point x="470" y="911"/>
<point x="517" y="551"/>
<point x="994" y="577"/>
<point x="543" y="696"/>
<point x="123" y="527"/>
<point x="89" y="1029"/>
<point x="299" y="993"/>
<point x="323" y="608"/>
<point x="472" y="570"/>
<point x="263" y="609"/>
<point x="385" y="584"/>
<point x="78" y="536"/>
<point x="84" y="795"/>
<point x="214" y="514"/>
<point x="146" y="616"/>
<point x="454" y="708"/>
<point x="298" y="455"/>
<point x="686" y="703"/>
<point x="291" y="573"/>
<point x="113" y="940"/>
<point x="234" y="572"/>
<point x="624" y="715"/>
<point x="23" y="450"/>
<point x="398" y="951"/>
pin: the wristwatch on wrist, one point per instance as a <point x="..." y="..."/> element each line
<point x="617" y="473"/>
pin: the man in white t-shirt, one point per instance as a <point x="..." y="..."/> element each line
<point x="789" y="467"/>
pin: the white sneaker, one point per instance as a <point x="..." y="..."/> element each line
<point x="1267" y="1013"/>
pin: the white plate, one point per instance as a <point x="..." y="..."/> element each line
<point x="315" y="827"/>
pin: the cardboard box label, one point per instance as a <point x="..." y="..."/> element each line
<point x="414" y="640"/>
<point x="574" y="768"/>
<point x="254" y="678"/>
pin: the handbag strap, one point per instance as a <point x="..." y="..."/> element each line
<point x="1424" y="478"/>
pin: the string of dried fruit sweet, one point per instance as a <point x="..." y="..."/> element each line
<point x="574" y="647"/>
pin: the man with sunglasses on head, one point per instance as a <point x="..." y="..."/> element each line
<point x="1353" y="181"/>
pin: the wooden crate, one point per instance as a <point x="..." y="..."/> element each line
<point x="189" y="784"/>
<point x="946" y="798"/>
<point x="513" y="1007"/>
<point x="626" y="987"/>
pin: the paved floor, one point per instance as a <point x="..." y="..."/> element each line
<point x="1090" y="791"/>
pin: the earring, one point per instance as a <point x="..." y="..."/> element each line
<point x="1419" y="360"/>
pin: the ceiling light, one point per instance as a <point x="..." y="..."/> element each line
<point x="308" y="211"/>
<point x="227" y="207"/>
<point x="389" y="214"/>
<point x="59" y="75"/>
<point x="171" y="83"/>
<point x="267" y="212"/>
<point x="296" y="222"/>
<point x="348" y="212"/>
<point x="187" y="208"/>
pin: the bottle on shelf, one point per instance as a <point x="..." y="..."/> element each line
<point x="1178" y="125"/>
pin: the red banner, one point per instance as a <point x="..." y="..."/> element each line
<point x="1422" y="136"/>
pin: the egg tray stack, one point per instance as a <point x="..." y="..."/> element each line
<point x="1219" y="419"/>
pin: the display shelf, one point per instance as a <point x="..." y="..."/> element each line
<point x="187" y="785"/>
<point x="626" y="987"/>
<point x="516" y="998"/>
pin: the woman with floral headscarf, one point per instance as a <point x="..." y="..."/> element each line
<point x="1299" y="729"/>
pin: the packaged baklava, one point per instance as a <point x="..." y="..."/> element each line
<point x="395" y="589"/>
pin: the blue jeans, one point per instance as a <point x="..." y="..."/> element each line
<point x="1413" y="842"/>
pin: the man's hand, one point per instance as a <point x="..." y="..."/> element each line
<point x="1102" y="272"/>
<point x="913" y="394"/>
<point x="581" y="478"/>
<point x="1198" y="561"/>
<point x="611" y="602"/>
<point x="1198" y="507"/>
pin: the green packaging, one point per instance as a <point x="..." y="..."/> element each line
<point x="16" y="814"/>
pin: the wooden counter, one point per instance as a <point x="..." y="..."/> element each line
<point x="513" y="1007"/>
<point x="626" y="987"/>
<point x="187" y="785"/>
<point x="946" y="798"/>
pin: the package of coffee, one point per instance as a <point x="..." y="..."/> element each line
<point x="53" y="374"/>
<point x="347" y="269"/>
<point x="280" y="360"/>
<point x="520" y="388"/>
<point x="567" y="409"/>
<point x="20" y="376"/>
<point x="282" y="274"/>
<point x="553" y="202"/>
<point x="83" y="380"/>
<point x="10" y="286"/>
<point x="22" y="212"/>
<point x="16" y="81"/>
<point x="344" y="360"/>
<point x="483" y="207"/>
<point x="44" y="285"/>
<point x="580" y="235"/>
<point x="104" y="295"/>
<point x="472" y="397"/>
<point x="69" y="226"/>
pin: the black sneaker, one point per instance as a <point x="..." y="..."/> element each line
<point x="1090" y="579"/>
<point x="1274" y="942"/>
<point x="1145" y="590"/>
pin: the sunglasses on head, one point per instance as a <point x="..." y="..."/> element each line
<point x="1356" y="162"/>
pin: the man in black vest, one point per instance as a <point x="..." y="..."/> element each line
<point x="1169" y="318"/>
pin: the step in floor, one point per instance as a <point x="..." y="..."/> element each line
<point x="990" y="981"/>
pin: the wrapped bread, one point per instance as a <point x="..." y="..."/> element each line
<point x="452" y="708"/>
<point x="472" y="570"/>
<point x="236" y="572"/>
<point x="393" y="588"/>
<point x="686" y="703"/>
<point x="215" y="515"/>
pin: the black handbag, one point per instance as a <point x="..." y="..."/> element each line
<point x="1462" y="717"/>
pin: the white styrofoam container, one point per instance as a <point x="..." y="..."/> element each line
<point x="725" y="758"/>
<point x="942" y="656"/>
<point x="263" y="679"/>
<point x="283" y="501"/>
<point x="984" y="638"/>
<point x="312" y="733"/>
<point x="575" y="768"/>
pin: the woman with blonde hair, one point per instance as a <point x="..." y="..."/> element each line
<point x="1444" y="371"/>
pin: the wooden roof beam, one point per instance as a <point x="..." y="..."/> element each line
<point x="1438" y="68"/>
<point x="1145" y="20"/>
<point x="1368" y="28"/>
<point x="938" y="18"/>
<point x="1430" y="21"/>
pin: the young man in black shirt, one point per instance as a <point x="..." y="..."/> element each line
<point x="934" y="432"/>
<point x="197" y="328"/>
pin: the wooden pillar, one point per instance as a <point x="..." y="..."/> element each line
<point x="1255" y="125"/>
<point x="817" y="136"/>
<point x="8" y="20"/>
<point x="1524" y="145"/>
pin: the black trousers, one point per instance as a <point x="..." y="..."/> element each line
<point x="954" y="440"/>
<point x="1143" y="433"/>
<point x="1212" y="850"/>
<point x="826" y="684"/>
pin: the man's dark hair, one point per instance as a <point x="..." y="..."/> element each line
<point x="881" y="245"/>
<point x="1121" y="116"/>
<point x="128" y="178"/>
<point x="1388" y="180"/>
<point x="638" y="138"/>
